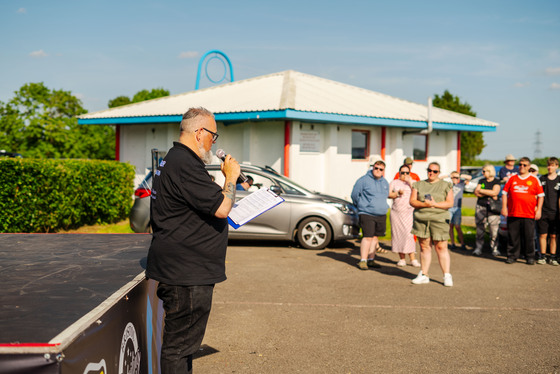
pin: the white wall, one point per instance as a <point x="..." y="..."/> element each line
<point x="137" y="141"/>
<point x="320" y="154"/>
<point x="258" y="143"/>
<point x="330" y="169"/>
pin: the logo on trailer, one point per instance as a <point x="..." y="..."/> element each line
<point x="129" y="360"/>
<point x="96" y="368"/>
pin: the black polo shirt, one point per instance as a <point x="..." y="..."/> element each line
<point x="551" y="189"/>
<point x="189" y="242"/>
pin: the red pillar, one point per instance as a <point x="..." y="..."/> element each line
<point x="287" y="127"/>
<point x="458" y="150"/>
<point x="118" y="143"/>
<point x="383" y="140"/>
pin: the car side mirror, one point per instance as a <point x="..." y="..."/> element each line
<point x="277" y="190"/>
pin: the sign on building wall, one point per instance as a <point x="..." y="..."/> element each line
<point x="310" y="141"/>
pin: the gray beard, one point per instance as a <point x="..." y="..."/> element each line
<point x="206" y="156"/>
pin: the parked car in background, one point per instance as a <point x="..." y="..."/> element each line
<point x="312" y="219"/>
<point x="471" y="170"/>
<point x="139" y="217"/>
<point x="476" y="177"/>
<point x="4" y="153"/>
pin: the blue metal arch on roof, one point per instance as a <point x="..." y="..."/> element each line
<point x="290" y="114"/>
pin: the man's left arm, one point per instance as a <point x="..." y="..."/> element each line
<point x="231" y="170"/>
<point x="538" y="211"/>
<point x="540" y="200"/>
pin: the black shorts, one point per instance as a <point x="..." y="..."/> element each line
<point x="547" y="225"/>
<point x="373" y="225"/>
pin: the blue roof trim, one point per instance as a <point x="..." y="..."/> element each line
<point x="129" y="120"/>
<point x="290" y="114"/>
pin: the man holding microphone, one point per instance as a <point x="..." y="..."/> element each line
<point x="190" y="230"/>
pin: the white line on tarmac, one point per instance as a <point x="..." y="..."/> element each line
<point x="509" y="309"/>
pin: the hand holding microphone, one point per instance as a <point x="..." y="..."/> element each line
<point x="222" y="155"/>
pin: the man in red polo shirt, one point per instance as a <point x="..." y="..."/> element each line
<point x="522" y="205"/>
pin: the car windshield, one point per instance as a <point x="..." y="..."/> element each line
<point x="283" y="180"/>
<point x="262" y="178"/>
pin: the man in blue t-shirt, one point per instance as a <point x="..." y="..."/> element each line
<point x="370" y="195"/>
<point x="244" y="186"/>
<point x="509" y="169"/>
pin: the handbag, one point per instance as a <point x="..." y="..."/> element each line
<point x="494" y="206"/>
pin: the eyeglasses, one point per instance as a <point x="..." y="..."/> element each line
<point x="380" y="169"/>
<point x="524" y="165"/>
<point x="433" y="171"/>
<point x="214" y="135"/>
<point x="404" y="172"/>
<point x="455" y="178"/>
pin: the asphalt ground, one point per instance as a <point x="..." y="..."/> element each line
<point x="289" y="310"/>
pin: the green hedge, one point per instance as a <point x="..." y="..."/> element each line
<point x="46" y="195"/>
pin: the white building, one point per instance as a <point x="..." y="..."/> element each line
<point x="321" y="133"/>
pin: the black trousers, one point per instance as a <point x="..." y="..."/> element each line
<point x="521" y="235"/>
<point x="186" y="314"/>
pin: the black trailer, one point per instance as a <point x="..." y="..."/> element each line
<point x="77" y="303"/>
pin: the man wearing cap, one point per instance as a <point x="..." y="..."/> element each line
<point x="408" y="162"/>
<point x="508" y="169"/>
<point x="370" y="195"/>
<point x="522" y="205"/>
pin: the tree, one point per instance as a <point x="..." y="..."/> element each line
<point x="39" y="122"/>
<point x="119" y="101"/>
<point x="138" y="97"/>
<point x="472" y="143"/>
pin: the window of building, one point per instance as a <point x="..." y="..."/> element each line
<point x="360" y="144"/>
<point x="420" y="147"/>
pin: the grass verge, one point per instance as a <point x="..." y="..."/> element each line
<point x="122" y="227"/>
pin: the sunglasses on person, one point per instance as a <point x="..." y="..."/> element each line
<point x="455" y="178"/>
<point x="404" y="172"/>
<point x="214" y="135"/>
<point x="433" y="171"/>
<point x="524" y="165"/>
<point x="380" y="169"/>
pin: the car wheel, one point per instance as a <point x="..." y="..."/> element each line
<point x="314" y="233"/>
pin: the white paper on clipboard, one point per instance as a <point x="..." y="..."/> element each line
<point x="252" y="206"/>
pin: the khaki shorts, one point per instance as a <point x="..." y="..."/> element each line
<point x="437" y="230"/>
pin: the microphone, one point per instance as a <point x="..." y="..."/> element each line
<point x="222" y="156"/>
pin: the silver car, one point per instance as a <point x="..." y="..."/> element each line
<point x="312" y="219"/>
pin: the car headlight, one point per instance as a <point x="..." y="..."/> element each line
<point x="344" y="208"/>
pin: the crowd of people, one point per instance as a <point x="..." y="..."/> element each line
<point x="189" y="222"/>
<point x="429" y="211"/>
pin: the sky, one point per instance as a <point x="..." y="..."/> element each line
<point x="501" y="57"/>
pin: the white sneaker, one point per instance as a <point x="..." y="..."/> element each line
<point x="401" y="263"/>
<point x="477" y="252"/>
<point x="415" y="263"/>
<point x="447" y="280"/>
<point x="421" y="279"/>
